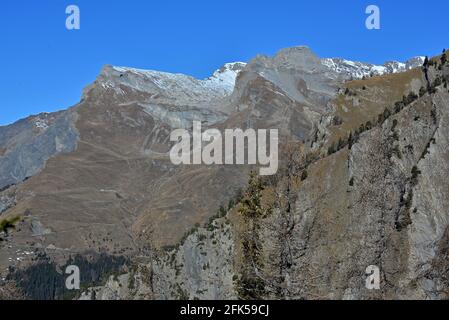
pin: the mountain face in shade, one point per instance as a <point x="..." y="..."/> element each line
<point x="363" y="158"/>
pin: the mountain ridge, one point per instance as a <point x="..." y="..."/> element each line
<point x="109" y="187"/>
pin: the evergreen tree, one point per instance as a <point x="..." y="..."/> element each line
<point x="249" y="284"/>
<point x="350" y="141"/>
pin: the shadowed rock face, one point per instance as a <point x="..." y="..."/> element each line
<point x="27" y="145"/>
<point x="101" y="180"/>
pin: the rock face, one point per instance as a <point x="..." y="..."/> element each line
<point x="361" y="183"/>
<point x="289" y="91"/>
<point x="26" y="145"/>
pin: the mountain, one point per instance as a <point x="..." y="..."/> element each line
<point x="358" y="70"/>
<point x="360" y="183"/>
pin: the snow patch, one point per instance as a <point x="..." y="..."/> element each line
<point x="220" y="84"/>
<point x="358" y="70"/>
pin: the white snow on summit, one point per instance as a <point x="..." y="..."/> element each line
<point x="176" y="99"/>
<point x="221" y="83"/>
<point x="226" y="76"/>
<point x="358" y="70"/>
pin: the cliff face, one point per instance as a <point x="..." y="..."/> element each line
<point x="361" y="183"/>
<point x="28" y="144"/>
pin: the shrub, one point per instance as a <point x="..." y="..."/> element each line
<point x="387" y="113"/>
<point x="331" y="149"/>
<point x="7" y="224"/>
<point x="433" y="114"/>
<point x="221" y="211"/>
<point x="437" y="82"/>
<point x="336" y="121"/>
<point x="368" y="125"/>
<point x="397" y="152"/>
<point x="304" y="175"/>
<point x="415" y="173"/>
<point x="395" y="136"/>
<point x="350" y="141"/>
<point x="340" y="144"/>
<point x="411" y="97"/>
<point x="362" y="128"/>
<point x="395" y="123"/>
<point x="422" y="91"/>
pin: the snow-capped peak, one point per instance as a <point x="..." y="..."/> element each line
<point x="358" y="70"/>
<point x="226" y="75"/>
<point x="220" y="84"/>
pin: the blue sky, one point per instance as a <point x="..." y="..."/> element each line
<point x="44" y="66"/>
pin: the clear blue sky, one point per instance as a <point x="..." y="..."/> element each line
<point x="44" y="66"/>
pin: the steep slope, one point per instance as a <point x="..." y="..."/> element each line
<point x="26" y="145"/>
<point x="379" y="198"/>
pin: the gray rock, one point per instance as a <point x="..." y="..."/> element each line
<point x="29" y="143"/>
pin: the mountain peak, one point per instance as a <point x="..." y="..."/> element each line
<point x="227" y="74"/>
<point x="221" y="82"/>
<point x="358" y="70"/>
